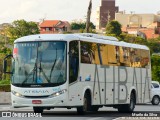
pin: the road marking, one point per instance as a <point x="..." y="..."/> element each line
<point x="95" y="118"/>
<point x="120" y="118"/>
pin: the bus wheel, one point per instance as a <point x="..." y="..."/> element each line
<point x="128" y="107"/>
<point x="155" y="100"/>
<point x="86" y="105"/>
<point x="38" y="109"/>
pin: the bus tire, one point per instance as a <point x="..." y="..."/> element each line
<point x="38" y="109"/>
<point x="86" y="104"/>
<point x="155" y="100"/>
<point x="128" y="108"/>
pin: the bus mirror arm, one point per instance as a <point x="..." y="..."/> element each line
<point x="5" y="64"/>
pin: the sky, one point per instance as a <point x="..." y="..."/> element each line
<point x="68" y="10"/>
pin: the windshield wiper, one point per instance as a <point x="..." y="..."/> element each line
<point x="53" y="65"/>
<point x="41" y="70"/>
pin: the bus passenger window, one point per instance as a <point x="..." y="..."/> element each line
<point x="89" y="53"/>
<point x="104" y="54"/>
<point x="125" y="56"/>
<point x="136" y="57"/>
<point x="85" y="52"/>
<point x="145" y="58"/>
<point x="112" y="55"/>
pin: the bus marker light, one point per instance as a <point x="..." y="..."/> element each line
<point x="36" y="102"/>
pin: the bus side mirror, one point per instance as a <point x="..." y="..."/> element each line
<point x="5" y="64"/>
<point x="70" y="53"/>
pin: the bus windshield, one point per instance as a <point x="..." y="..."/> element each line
<point x="39" y="64"/>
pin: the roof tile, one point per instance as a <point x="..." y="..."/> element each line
<point x="49" y="23"/>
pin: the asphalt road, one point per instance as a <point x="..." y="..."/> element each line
<point x="105" y="113"/>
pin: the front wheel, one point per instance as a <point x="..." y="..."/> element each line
<point x="86" y="105"/>
<point x="155" y="100"/>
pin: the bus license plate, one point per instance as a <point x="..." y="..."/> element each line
<point x="36" y="102"/>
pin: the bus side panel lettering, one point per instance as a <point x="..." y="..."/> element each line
<point x="135" y="82"/>
<point x="122" y="87"/>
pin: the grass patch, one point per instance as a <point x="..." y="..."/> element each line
<point x="5" y="86"/>
<point x="5" y="82"/>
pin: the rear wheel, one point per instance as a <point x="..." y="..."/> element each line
<point x="38" y="109"/>
<point x="128" y="107"/>
<point x="155" y="100"/>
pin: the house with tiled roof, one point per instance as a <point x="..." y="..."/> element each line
<point x="54" y="26"/>
<point x="146" y="25"/>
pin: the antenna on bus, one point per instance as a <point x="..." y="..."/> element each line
<point x="98" y="36"/>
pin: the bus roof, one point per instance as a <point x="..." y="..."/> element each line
<point x="82" y="37"/>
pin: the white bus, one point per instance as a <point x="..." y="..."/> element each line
<point x="83" y="71"/>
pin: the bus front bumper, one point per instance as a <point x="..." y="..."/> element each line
<point x="46" y="102"/>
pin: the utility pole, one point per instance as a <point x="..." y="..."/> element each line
<point x="88" y="16"/>
<point x="108" y="17"/>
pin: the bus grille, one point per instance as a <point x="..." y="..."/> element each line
<point x="46" y="96"/>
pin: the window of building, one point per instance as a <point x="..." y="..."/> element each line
<point x="47" y="29"/>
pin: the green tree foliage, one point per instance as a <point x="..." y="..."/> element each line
<point x="81" y="25"/>
<point x="132" y="39"/>
<point x="154" y="45"/>
<point x="155" y="64"/>
<point x="113" y="28"/>
<point x="21" y="28"/>
<point x="77" y="26"/>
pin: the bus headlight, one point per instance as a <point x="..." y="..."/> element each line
<point x="58" y="93"/>
<point x="17" y="94"/>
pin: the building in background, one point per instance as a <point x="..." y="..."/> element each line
<point x="54" y="26"/>
<point x="144" y="25"/>
<point x="105" y="13"/>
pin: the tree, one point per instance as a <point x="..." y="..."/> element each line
<point x="77" y="25"/>
<point x="21" y="28"/>
<point x="155" y="61"/>
<point x="88" y="16"/>
<point x="132" y="39"/>
<point x="154" y="44"/>
<point x="113" y="28"/>
<point x="81" y="26"/>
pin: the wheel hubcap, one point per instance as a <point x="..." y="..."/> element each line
<point x="156" y="100"/>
